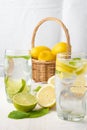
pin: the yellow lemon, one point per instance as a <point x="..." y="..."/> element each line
<point x="59" y="48"/>
<point x="46" y="96"/>
<point x="46" y="56"/>
<point x="36" y="51"/>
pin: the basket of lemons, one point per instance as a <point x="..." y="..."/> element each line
<point x="44" y="58"/>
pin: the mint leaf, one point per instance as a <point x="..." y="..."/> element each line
<point x="31" y="114"/>
<point x="18" y="115"/>
<point x="37" y="89"/>
<point x="39" y="113"/>
<point x="77" y="58"/>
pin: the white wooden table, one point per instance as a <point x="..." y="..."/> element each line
<point x="47" y="122"/>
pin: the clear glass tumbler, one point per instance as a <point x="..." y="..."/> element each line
<point x="17" y="72"/>
<point x="71" y="86"/>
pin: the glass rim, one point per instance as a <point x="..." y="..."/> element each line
<point x="17" y="52"/>
<point x="80" y="53"/>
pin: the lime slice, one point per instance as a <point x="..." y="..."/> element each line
<point x="26" y="89"/>
<point x="46" y="96"/>
<point x="14" y="86"/>
<point x="24" y="101"/>
<point x="24" y="57"/>
<point x="51" y="80"/>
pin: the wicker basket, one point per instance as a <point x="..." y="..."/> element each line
<point x="42" y="70"/>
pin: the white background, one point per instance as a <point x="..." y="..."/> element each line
<point x="17" y="21"/>
<point x="19" y="17"/>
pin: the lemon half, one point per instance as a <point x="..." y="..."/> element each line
<point x="46" y="96"/>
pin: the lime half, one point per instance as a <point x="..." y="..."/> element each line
<point x="14" y="86"/>
<point x="24" y="101"/>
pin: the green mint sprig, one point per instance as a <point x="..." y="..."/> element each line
<point x="31" y="114"/>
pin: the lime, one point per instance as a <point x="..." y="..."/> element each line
<point x="46" y="96"/>
<point x="24" y="101"/>
<point x="14" y="86"/>
<point x="51" y="80"/>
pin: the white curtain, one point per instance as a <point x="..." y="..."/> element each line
<point x="18" y="19"/>
<point x="75" y="17"/>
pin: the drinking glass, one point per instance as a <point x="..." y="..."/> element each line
<point x="17" y="72"/>
<point x="71" y="86"/>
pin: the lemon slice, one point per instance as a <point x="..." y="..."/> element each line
<point x="14" y="86"/>
<point x="78" y="91"/>
<point x="46" y="56"/>
<point x="82" y="69"/>
<point x="51" y="80"/>
<point x="80" y="81"/>
<point x="65" y="67"/>
<point x="24" y="101"/>
<point x="46" y="96"/>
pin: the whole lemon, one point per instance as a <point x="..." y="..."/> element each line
<point x="60" y="47"/>
<point x="46" y="56"/>
<point x="36" y="51"/>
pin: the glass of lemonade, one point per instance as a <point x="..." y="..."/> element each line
<point x="71" y="86"/>
<point x="17" y="72"/>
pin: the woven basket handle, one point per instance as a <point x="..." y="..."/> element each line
<point x="57" y="21"/>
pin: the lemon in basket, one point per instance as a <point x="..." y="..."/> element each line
<point x="36" y="51"/>
<point x="46" y="96"/>
<point x="60" y="47"/>
<point x="46" y="56"/>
